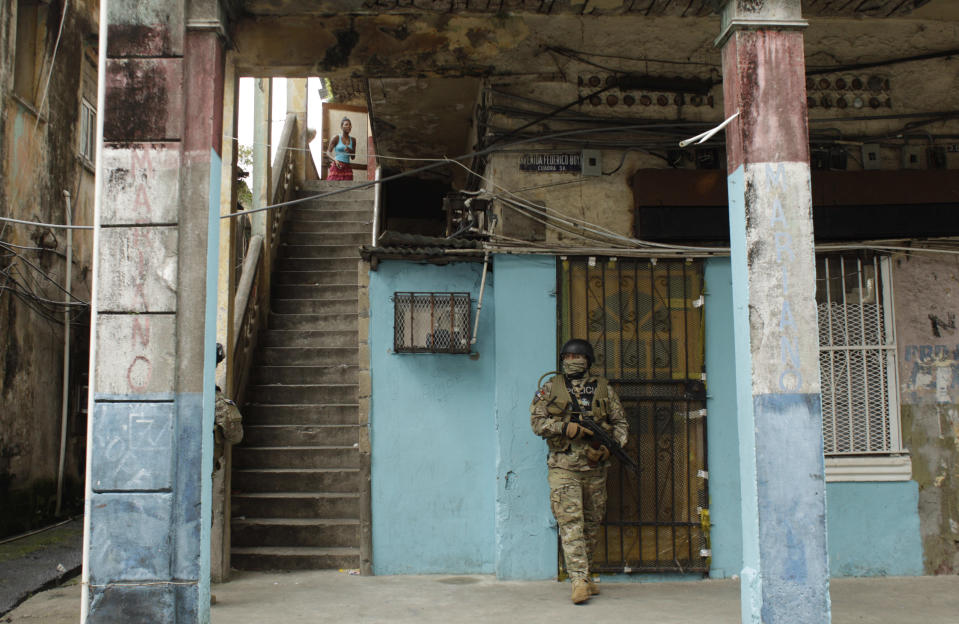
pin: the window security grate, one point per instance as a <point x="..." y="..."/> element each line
<point x="857" y="356"/>
<point x="436" y="322"/>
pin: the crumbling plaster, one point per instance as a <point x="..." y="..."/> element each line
<point x="39" y="161"/>
<point x="926" y="300"/>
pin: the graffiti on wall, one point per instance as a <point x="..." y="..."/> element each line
<point x="932" y="368"/>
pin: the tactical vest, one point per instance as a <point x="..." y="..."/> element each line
<point x="559" y="401"/>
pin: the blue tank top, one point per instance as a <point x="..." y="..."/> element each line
<point x="340" y="151"/>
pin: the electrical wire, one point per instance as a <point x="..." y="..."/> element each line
<point x="48" y="278"/>
<point x="49" y="225"/>
<point x="434" y="163"/>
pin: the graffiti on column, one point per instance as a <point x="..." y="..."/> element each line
<point x="140" y="369"/>
<point x="790" y="377"/>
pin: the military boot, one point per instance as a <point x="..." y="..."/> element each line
<point x="593" y="587"/>
<point x="580" y="591"/>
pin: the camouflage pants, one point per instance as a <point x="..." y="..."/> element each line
<point x="578" y="499"/>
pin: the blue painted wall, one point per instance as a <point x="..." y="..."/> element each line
<point x="722" y="435"/>
<point x="432" y="433"/>
<point x="873" y="528"/>
<point x="459" y="480"/>
<point x="526" y="348"/>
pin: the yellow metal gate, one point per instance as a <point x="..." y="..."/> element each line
<point x="644" y="319"/>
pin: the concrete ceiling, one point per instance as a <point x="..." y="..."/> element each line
<point x="651" y="8"/>
<point x="420" y="64"/>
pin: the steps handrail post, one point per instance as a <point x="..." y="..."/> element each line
<point x="377" y="201"/>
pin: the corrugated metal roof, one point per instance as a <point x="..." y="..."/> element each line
<point x="399" y="245"/>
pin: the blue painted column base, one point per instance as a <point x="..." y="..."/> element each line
<point x="792" y="508"/>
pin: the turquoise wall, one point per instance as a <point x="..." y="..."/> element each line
<point x="459" y="480"/>
<point x="526" y="348"/>
<point x="433" y="435"/>
<point x="722" y="435"/>
<point x="872" y="527"/>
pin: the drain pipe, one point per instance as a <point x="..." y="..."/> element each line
<point x="66" y="354"/>
<point x="479" y="302"/>
<point x="377" y="200"/>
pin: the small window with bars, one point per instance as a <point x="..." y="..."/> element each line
<point x="857" y="355"/>
<point x="431" y="322"/>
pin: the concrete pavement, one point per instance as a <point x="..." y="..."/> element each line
<point x="328" y="596"/>
<point x="39" y="560"/>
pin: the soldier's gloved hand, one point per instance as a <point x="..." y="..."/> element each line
<point x="597" y="454"/>
<point x="574" y="431"/>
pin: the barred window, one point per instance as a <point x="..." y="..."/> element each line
<point x="431" y="322"/>
<point x="857" y="355"/>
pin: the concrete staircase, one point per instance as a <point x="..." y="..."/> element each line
<point x="296" y="475"/>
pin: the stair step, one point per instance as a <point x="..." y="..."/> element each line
<point x="253" y="480"/>
<point x="323" y="222"/>
<point x="326" y="238"/>
<point x="296" y="457"/>
<point x="300" y="435"/>
<point x="314" y="306"/>
<point x="364" y="190"/>
<point x="296" y="505"/>
<point x="308" y="291"/>
<point x="317" y="264"/>
<point x="347" y="276"/>
<point x="293" y="394"/>
<point x="316" y="532"/>
<point x="309" y="338"/>
<point x="336" y="212"/>
<point x="265" y="558"/>
<point x="301" y="414"/>
<point x="295" y="375"/>
<point x="337" y="322"/>
<point x="319" y="251"/>
<point x="316" y="356"/>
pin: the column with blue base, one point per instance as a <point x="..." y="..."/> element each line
<point x="146" y="543"/>
<point x="785" y="575"/>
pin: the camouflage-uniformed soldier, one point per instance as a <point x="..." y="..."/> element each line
<point x="576" y="470"/>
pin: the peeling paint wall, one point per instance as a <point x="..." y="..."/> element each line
<point x="926" y="300"/>
<point x="39" y="159"/>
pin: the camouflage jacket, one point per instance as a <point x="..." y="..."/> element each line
<point x="548" y="416"/>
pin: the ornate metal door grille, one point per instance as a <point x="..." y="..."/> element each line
<point x="644" y="320"/>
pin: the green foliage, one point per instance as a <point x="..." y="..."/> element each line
<point x="244" y="195"/>
<point x="244" y="157"/>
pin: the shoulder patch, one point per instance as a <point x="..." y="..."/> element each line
<point x="540" y="395"/>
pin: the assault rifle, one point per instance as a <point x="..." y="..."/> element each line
<point x="600" y="436"/>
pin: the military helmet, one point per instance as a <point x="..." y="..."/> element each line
<point x="578" y="346"/>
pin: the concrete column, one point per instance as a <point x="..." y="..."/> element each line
<point x="785" y="575"/>
<point x="220" y="533"/>
<point x="226" y="289"/>
<point x="262" y="174"/>
<point x="296" y="102"/>
<point x="146" y="544"/>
